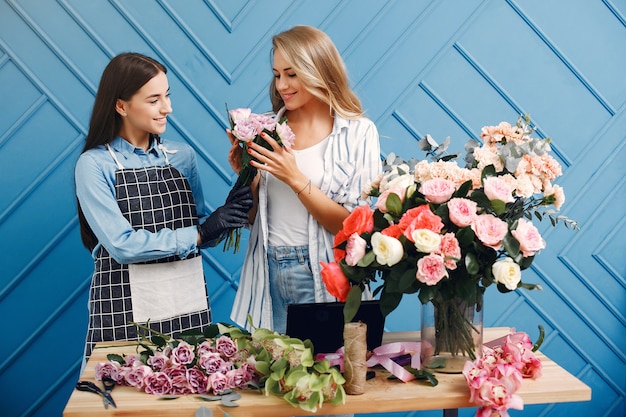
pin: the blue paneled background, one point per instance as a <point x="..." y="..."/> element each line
<point x="443" y="67"/>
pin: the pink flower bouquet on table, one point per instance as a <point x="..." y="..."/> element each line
<point x="211" y="364"/>
<point x="247" y="127"/>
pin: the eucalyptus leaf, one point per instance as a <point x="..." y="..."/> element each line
<point x="204" y="412"/>
<point x="168" y="397"/>
<point x="229" y="403"/>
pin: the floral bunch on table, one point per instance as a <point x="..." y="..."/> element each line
<point x="495" y="378"/>
<point x="247" y="127"/>
<point x="223" y="358"/>
<point x="448" y="232"/>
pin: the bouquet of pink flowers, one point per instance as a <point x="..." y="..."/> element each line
<point x="247" y="127"/>
<point x="447" y="232"/>
<point x="224" y="358"/>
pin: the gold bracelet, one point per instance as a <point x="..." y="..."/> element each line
<point x="308" y="184"/>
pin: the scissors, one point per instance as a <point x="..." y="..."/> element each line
<point x="89" y="386"/>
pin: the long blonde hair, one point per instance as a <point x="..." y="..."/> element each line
<point x="317" y="63"/>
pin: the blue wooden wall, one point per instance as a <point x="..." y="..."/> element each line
<point x="444" y="67"/>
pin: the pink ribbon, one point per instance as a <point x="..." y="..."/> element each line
<point x="384" y="355"/>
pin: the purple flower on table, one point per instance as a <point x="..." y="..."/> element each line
<point x="158" y="383"/>
<point x="218" y="382"/>
<point x="226" y="346"/>
<point x="197" y="380"/>
<point x="236" y="378"/>
<point x="183" y="354"/>
<point x="158" y="361"/>
<point x="204" y="347"/>
<point x="136" y="376"/>
<point x="181" y="385"/>
<point x="108" y="369"/>
<point x="211" y="362"/>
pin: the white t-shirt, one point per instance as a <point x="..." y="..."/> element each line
<point x="287" y="217"/>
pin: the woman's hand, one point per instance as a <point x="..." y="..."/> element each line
<point x="279" y="161"/>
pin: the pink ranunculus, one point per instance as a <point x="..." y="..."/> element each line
<point x="211" y="362"/>
<point x="246" y="130"/>
<point x="355" y="249"/>
<point x="498" y="189"/>
<point x="110" y="369"/>
<point x="462" y="211"/>
<point x="450" y="249"/>
<point x="239" y="115"/>
<point x="136" y="376"/>
<point x="197" y="380"/>
<point x="218" y="383"/>
<point x="335" y="280"/>
<point x="286" y="135"/>
<point x="183" y="354"/>
<point x="490" y="230"/>
<point x="529" y="238"/>
<point x="437" y="190"/>
<point x="431" y="269"/>
<point x="226" y="346"/>
<point x="158" y="383"/>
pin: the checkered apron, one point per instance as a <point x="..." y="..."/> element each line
<point x="150" y="198"/>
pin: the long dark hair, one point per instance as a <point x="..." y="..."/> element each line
<point x="122" y="78"/>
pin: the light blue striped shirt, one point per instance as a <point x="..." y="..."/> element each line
<point x="95" y="189"/>
<point x="351" y="162"/>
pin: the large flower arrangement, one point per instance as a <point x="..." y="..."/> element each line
<point x="212" y="363"/>
<point x="448" y="232"/>
<point x="247" y="127"/>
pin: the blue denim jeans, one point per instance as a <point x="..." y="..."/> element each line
<point x="291" y="280"/>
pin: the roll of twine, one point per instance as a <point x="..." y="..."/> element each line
<point x="355" y="353"/>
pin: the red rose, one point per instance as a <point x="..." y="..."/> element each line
<point x="359" y="221"/>
<point x="335" y="281"/>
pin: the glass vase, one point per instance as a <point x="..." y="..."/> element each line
<point x="451" y="333"/>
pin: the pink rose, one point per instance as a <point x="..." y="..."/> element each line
<point x="355" y="249"/>
<point x="239" y="115"/>
<point x="246" y="130"/>
<point x="381" y="202"/>
<point x="180" y="385"/>
<point x="211" y="362"/>
<point x="530" y="241"/>
<point x="286" y="135"/>
<point x="462" y="211"/>
<point x="158" y="361"/>
<point x="183" y="354"/>
<point x="197" y="380"/>
<point x="431" y="269"/>
<point x="158" y="383"/>
<point x="450" y="249"/>
<point x="204" y="347"/>
<point x="498" y="189"/>
<point x="490" y="230"/>
<point x="135" y="376"/>
<point x="218" y="383"/>
<point x="226" y="346"/>
<point x="108" y="369"/>
<point x="236" y="378"/>
<point x="437" y="190"/>
<point x="263" y="122"/>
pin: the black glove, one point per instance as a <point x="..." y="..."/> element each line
<point x="232" y="215"/>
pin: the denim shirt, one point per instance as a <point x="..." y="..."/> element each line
<point x="95" y="189"/>
<point x="351" y="163"/>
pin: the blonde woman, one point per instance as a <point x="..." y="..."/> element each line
<point x="303" y="194"/>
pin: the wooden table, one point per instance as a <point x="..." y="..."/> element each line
<point x="381" y="395"/>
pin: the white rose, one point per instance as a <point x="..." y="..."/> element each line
<point x="402" y="181"/>
<point x="388" y="250"/>
<point x="426" y="241"/>
<point x="507" y="273"/>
